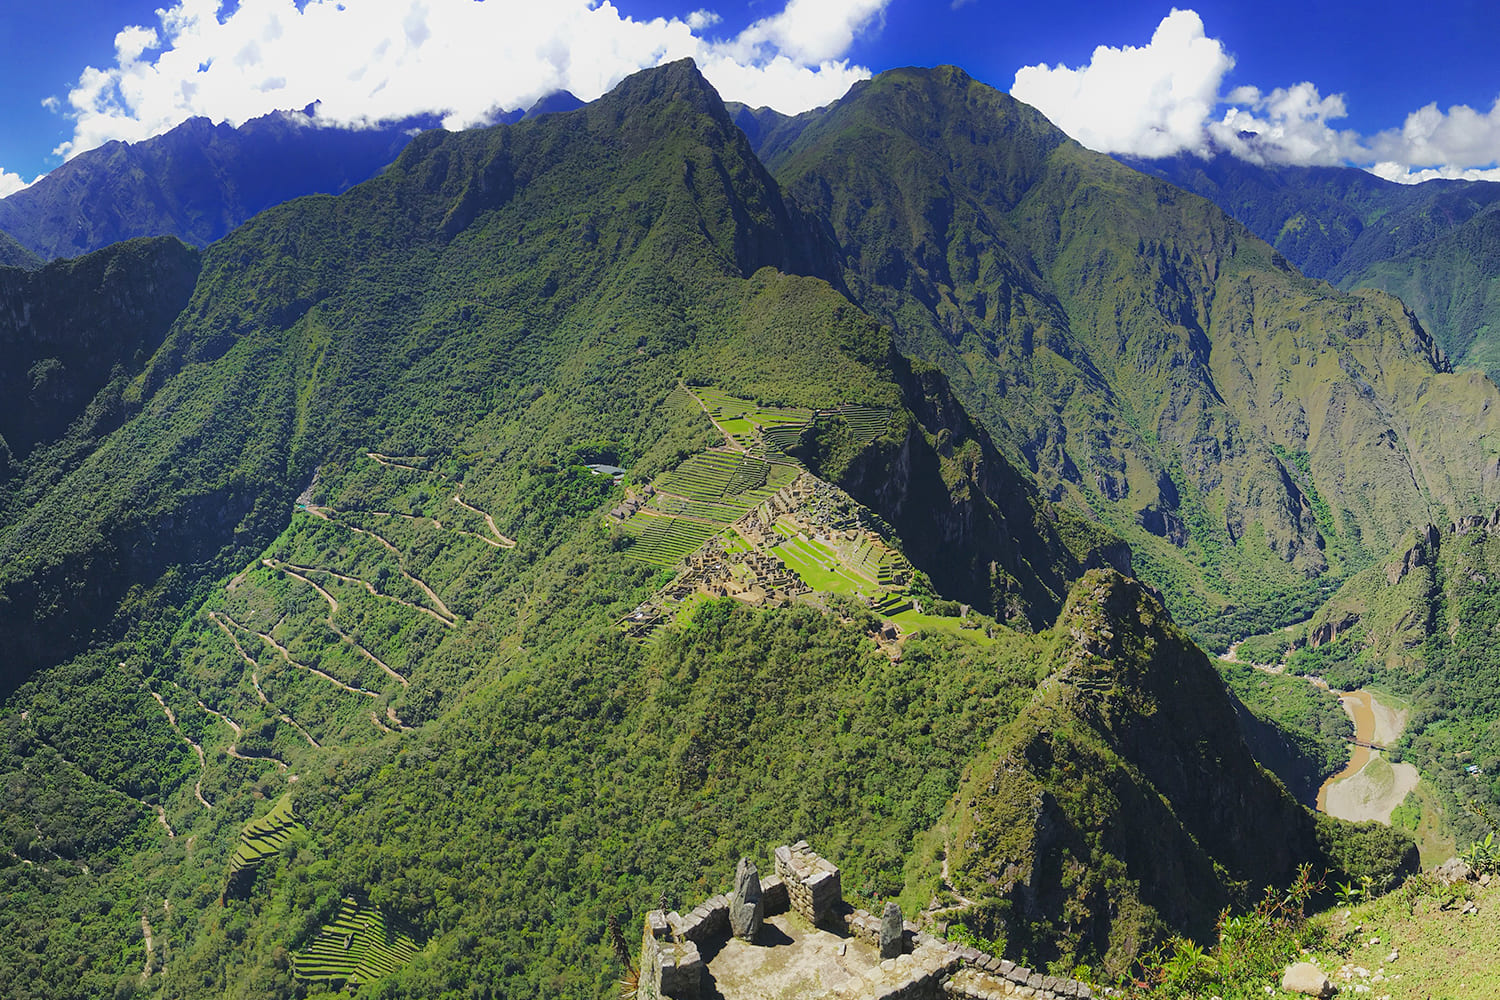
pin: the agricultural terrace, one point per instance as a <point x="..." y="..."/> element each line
<point x="776" y="429"/>
<point x="699" y="499"/>
<point x="355" y="948"/>
<point x="259" y="841"/>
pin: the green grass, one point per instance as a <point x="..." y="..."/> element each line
<point x="259" y="841"/>
<point x="912" y="621"/>
<point x="356" y="947"/>
<point x="821" y="569"/>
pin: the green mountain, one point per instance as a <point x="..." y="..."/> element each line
<point x="343" y="524"/>
<point x="1432" y="244"/>
<point x="1249" y="431"/>
<point x="196" y="182"/>
<point x="1417" y="625"/>
<point x="13" y="254"/>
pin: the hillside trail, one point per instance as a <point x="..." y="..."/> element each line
<point x="504" y="541"/>
<point x="202" y="759"/>
<point x="325" y="512"/>
<point x="232" y="750"/>
<point x="287" y="656"/>
<point x="146" y="933"/>
<point x="295" y="569"/>
<point x="161" y="814"/>
<point x="394" y="463"/>
<point x="254" y="667"/>
<point x="730" y="442"/>
<point x="964" y="902"/>
<point x="299" y="571"/>
<point x="224" y="622"/>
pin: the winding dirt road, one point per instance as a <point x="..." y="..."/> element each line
<point x="202" y="759"/>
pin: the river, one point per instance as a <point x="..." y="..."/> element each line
<point x="1370" y="787"/>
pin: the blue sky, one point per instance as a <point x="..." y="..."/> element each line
<point x="1407" y="90"/>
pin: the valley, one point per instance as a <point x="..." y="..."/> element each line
<point x="417" y="583"/>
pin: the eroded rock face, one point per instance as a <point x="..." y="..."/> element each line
<point x="891" y="928"/>
<point x="746" y="911"/>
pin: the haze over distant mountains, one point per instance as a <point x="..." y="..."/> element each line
<point x="200" y="180"/>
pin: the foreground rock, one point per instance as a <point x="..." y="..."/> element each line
<point x="745" y="909"/>
<point x="1306" y="978"/>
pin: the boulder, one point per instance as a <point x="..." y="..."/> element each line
<point x="1454" y="870"/>
<point x="892" y="930"/>
<point x="746" y="909"/>
<point x="1308" y="979"/>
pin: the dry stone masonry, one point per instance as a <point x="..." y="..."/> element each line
<point x="912" y="965"/>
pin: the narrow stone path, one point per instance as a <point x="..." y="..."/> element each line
<point x="202" y="759"/>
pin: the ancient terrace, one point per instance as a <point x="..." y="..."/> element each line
<point x="792" y="935"/>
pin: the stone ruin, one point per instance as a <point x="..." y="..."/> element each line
<point x="678" y="953"/>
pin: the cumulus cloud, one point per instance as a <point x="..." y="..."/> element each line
<point x="1461" y="143"/>
<point x="11" y="183"/>
<point x="1163" y="98"/>
<point x="379" y="60"/>
<point x="1288" y="125"/>
<point x="1148" y="101"/>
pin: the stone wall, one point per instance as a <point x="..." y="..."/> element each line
<point x="812" y="883"/>
<point x="928" y="968"/>
<point x="671" y="967"/>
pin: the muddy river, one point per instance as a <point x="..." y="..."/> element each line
<point x="1370" y="787"/>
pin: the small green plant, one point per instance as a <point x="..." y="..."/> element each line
<point x="1348" y="893"/>
<point x="1252" y="948"/>
<point x="1482" y="855"/>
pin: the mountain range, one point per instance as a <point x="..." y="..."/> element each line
<point x="1433" y="244"/>
<point x="308" y="568"/>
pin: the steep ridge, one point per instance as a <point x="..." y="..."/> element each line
<point x="472" y="740"/>
<point x="69" y="328"/>
<point x="478" y="262"/>
<point x="1432" y="244"/>
<point x="1131" y="721"/>
<point x="13" y="254"/>
<point x="1246" y="429"/>
<point x="1418" y="624"/>
<point x="196" y="182"/>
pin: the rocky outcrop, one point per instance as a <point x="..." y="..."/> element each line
<point x="892" y="929"/>
<point x="745" y="909"/>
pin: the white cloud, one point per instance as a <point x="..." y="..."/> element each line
<point x="809" y="31"/>
<point x="1163" y="98"/>
<point x="1288" y="125"/>
<point x="373" y="60"/>
<point x="1149" y="101"/>
<point x="11" y="183"/>
<point x="1461" y="143"/>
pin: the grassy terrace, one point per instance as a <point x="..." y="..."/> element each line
<point x="698" y="499"/>
<point x="259" y="841"/>
<point x="820" y="568"/>
<point x="357" y="947"/>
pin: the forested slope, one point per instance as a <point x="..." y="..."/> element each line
<point x="1250" y="431"/>
<point x="340" y="539"/>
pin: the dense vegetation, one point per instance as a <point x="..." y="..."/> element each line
<point x="337" y="539"/>
<point x="1433" y="244"/>
<point x="1421" y="627"/>
<point x="1140" y="352"/>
